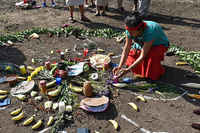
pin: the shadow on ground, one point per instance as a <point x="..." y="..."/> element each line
<point x="110" y="113"/>
<point x="11" y="55"/>
<point x="175" y="20"/>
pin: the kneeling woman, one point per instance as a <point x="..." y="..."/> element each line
<point x="145" y="46"/>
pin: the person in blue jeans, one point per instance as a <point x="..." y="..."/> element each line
<point x="44" y="4"/>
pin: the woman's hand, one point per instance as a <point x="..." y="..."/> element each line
<point x="121" y="72"/>
<point x="116" y="70"/>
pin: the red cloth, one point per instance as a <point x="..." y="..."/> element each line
<point x="151" y="66"/>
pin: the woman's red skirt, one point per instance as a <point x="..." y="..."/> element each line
<point x="151" y="66"/>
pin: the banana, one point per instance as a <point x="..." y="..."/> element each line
<point x="16" y="112"/>
<point x="50" y="121"/>
<point x="18" y="117"/>
<point x="55" y="92"/>
<point x="37" y="125"/>
<point x="2" y="97"/>
<point x="134" y="106"/>
<point x="3" y="92"/>
<point x="141" y="98"/>
<point x="28" y="121"/>
<point x="75" y="88"/>
<point x="114" y="123"/>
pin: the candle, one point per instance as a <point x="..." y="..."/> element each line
<point x="22" y="69"/>
<point x="47" y="65"/>
<point x="43" y="87"/>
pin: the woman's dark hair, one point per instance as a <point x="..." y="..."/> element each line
<point x="133" y="21"/>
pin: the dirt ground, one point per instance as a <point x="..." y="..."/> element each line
<point x="181" y="22"/>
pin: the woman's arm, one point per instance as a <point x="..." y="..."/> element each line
<point x="145" y="50"/>
<point x="125" y="52"/>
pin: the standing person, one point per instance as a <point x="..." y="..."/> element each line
<point x="71" y="4"/>
<point x="107" y="4"/>
<point x="44" y="4"/>
<point x="101" y="4"/>
<point x="120" y="5"/>
<point x="87" y="4"/>
<point x="142" y="6"/>
<point x="143" y="56"/>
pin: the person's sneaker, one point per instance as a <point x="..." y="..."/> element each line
<point x="121" y="9"/>
<point x="103" y="13"/>
<point x="93" y="6"/>
<point x="53" y="4"/>
<point x="44" y="5"/>
<point x="71" y="20"/>
<point x="86" y="5"/>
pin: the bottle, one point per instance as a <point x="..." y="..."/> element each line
<point x="62" y="107"/>
<point x="85" y="52"/>
<point x="43" y="87"/>
<point x="62" y="55"/>
<point x="47" y="65"/>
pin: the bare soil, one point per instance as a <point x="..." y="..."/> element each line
<point x="181" y="22"/>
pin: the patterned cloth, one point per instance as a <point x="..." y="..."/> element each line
<point x="101" y="2"/>
<point x="74" y="2"/>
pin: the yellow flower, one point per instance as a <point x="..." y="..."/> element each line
<point x="8" y="68"/>
<point x="29" y="78"/>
